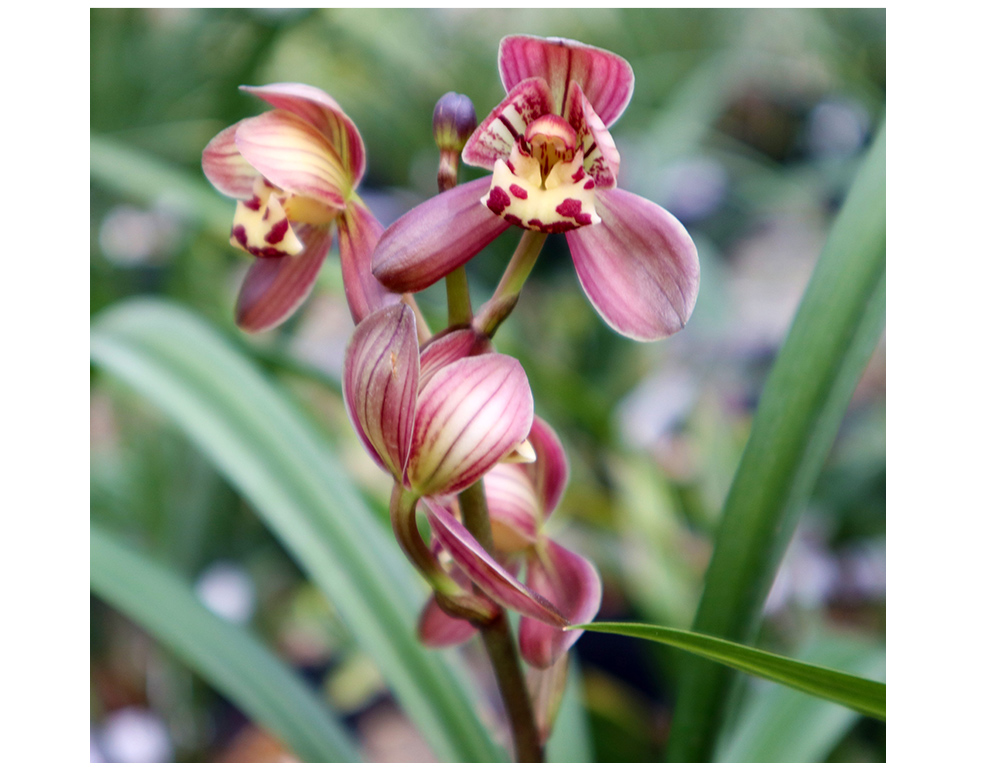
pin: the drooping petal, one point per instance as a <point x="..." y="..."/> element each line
<point x="381" y="371"/>
<point x="438" y="629"/>
<point x="638" y="267"/>
<point x="601" y="157"/>
<point x="447" y="348"/>
<point x="291" y="154"/>
<point x="358" y="233"/>
<point x="572" y="584"/>
<point x="225" y="167"/>
<point x="439" y="235"/>
<point x="605" y="78"/>
<point x="513" y="507"/>
<point x="318" y="108"/>
<point x="550" y="471"/>
<point x="485" y="572"/>
<point x="494" y="139"/>
<point x="469" y="415"/>
<point x="546" y="690"/>
<point x="274" y="287"/>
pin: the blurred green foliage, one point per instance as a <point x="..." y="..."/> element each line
<point x="747" y="124"/>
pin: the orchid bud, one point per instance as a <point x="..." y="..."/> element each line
<point x="453" y="123"/>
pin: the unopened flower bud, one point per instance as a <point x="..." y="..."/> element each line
<point x="453" y="123"/>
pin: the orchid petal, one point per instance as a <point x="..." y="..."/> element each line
<point x="319" y="109"/>
<point x="469" y="415"/>
<point x="601" y="157"/>
<point x="638" y="267"/>
<point x="546" y="689"/>
<point x="226" y="168"/>
<point x="447" y="348"/>
<point x="438" y="629"/>
<point x="550" y="471"/>
<point x="513" y="507"/>
<point x="439" y="235"/>
<point x="494" y="139"/>
<point x="482" y="569"/>
<point x="274" y="287"/>
<point x="605" y="78"/>
<point x="571" y="583"/>
<point x="291" y="154"/>
<point x="358" y="233"/>
<point x="381" y="370"/>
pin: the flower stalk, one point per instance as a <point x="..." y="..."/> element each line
<point x="494" y="312"/>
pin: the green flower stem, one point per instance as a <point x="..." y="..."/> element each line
<point x="499" y="643"/>
<point x="403" y="511"/>
<point x="495" y="311"/>
<point x="459" y="312"/>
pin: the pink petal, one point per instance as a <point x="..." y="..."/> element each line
<point x="469" y="415"/>
<point x="601" y="157"/>
<point x="605" y="78"/>
<point x="439" y="235"/>
<point x="482" y="569"/>
<point x="319" y="109"/>
<point x="496" y="136"/>
<point x="550" y="470"/>
<point x="513" y="506"/>
<point x="226" y="168"/>
<point x="571" y="583"/>
<point x="358" y="233"/>
<point x="275" y="287"/>
<point x="381" y="370"/>
<point x="546" y="689"/>
<point x="292" y="155"/>
<point x="438" y="629"/>
<point x="447" y="348"/>
<point x="638" y="266"/>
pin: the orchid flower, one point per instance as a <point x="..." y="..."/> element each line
<point x="520" y="499"/>
<point x="294" y="171"/>
<point x="554" y="170"/>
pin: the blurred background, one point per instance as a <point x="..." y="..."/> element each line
<point x="747" y="125"/>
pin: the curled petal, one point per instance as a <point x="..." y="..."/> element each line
<point x="469" y="415"/>
<point x="358" y="233"/>
<point x="546" y="689"/>
<point x="291" y="154"/>
<point x="572" y="584"/>
<point x="487" y="574"/>
<point x="638" y="267"/>
<point x="319" y="109"/>
<point x="437" y="628"/>
<point x="226" y="168"/>
<point x="601" y="157"/>
<point x="550" y="470"/>
<point x="605" y="78"/>
<point x="513" y="507"/>
<point x="494" y="139"/>
<point x="274" y="287"/>
<point x="381" y="370"/>
<point x="439" y="235"/>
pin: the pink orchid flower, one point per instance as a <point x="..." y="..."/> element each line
<point x="520" y="499"/>
<point x="555" y="168"/>
<point x="294" y="171"/>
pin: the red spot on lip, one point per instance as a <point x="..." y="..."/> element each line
<point x="589" y="184"/>
<point x="278" y="231"/>
<point x="498" y="200"/>
<point x="253" y="203"/>
<point x="569" y="207"/>
<point x="518" y="192"/>
<point x="583" y="219"/>
<point x="578" y="175"/>
<point x="240" y="234"/>
<point x="511" y="218"/>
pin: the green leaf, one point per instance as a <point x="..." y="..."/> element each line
<point x="860" y="694"/>
<point x="780" y="725"/>
<point x="834" y="332"/>
<point x="227" y="656"/>
<point x="257" y="438"/>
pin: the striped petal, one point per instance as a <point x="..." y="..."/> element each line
<point x="572" y="584"/>
<point x="438" y="629"/>
<point x="358" y="233"/>
<point x="275" y="287"/>
<point x="439" y="235"/>
<point x="550" y="470"/>
<point x="319" y="109"/>
<point x="485" y="572"/>
<point x="601" y="157"/>
<point x="469" y="415"/>
<point x="638" y="266"/>
<point x="225" y="167"/>
<point x="381" y="370"/>
<point x="291" y="154"/>
<point x="605" y="78"/>
<point x="447" y="348"/>
<point x="494" y="139"/>
<point x="513" y="507"/>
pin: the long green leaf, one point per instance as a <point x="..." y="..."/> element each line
<point x="260" y="442"/>
<point x="833" y="335"/>
<point x="227" y="656"/>
<point x="860" y="694"/>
